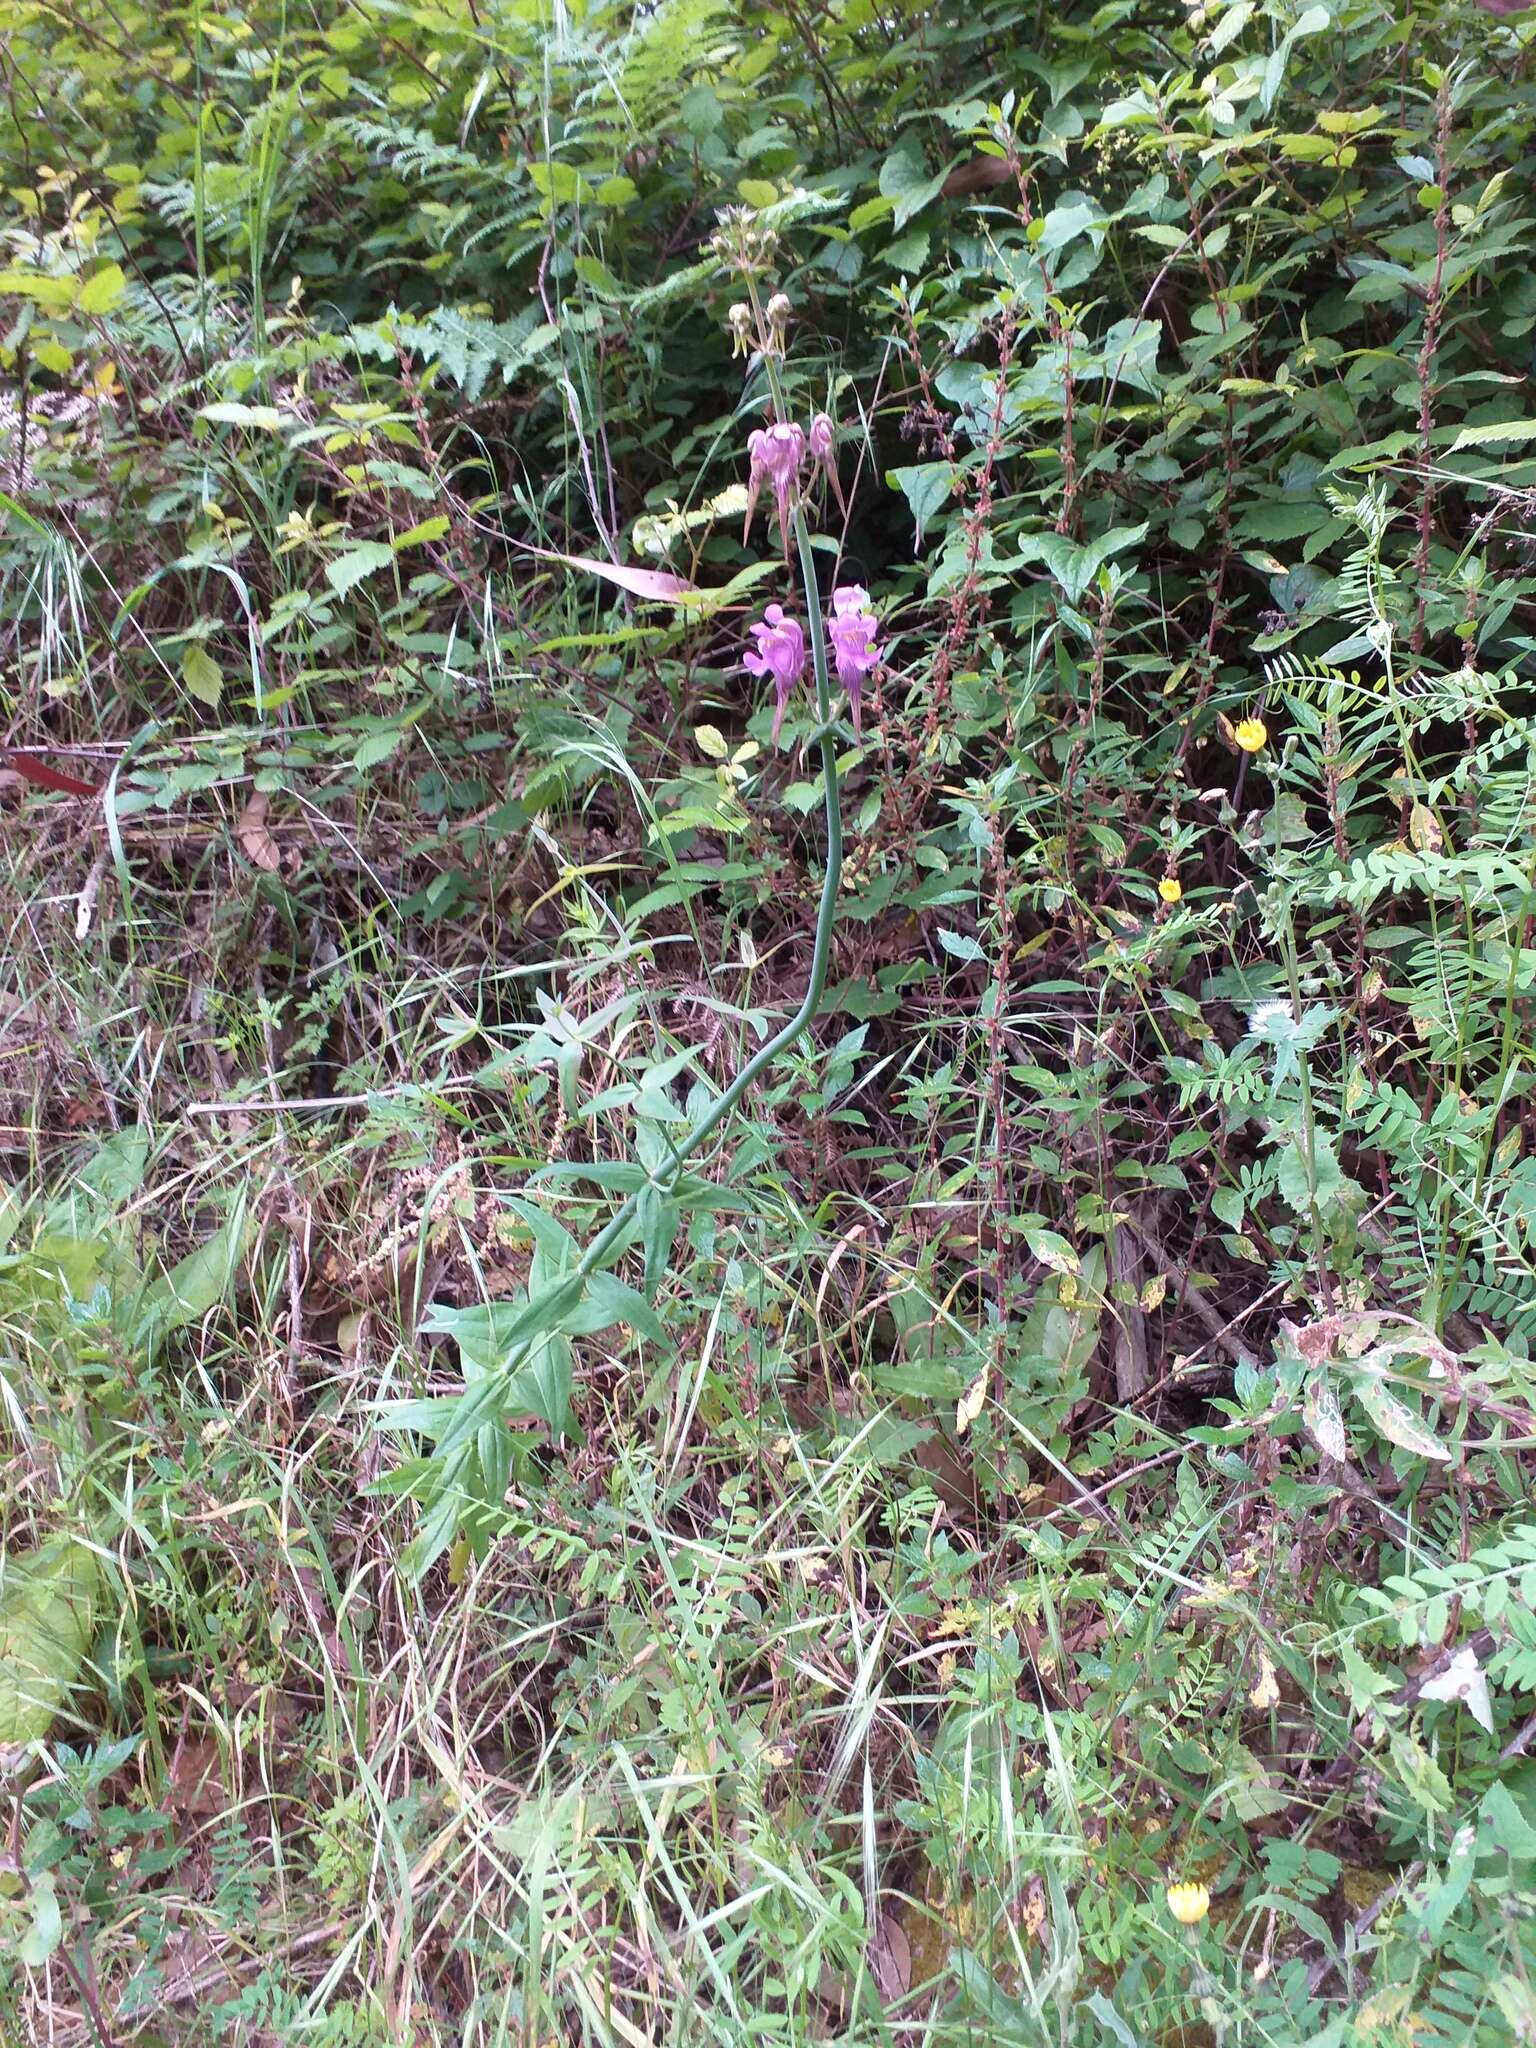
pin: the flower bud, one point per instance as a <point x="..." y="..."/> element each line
<point x="778" y="320"/>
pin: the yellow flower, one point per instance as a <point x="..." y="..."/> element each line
<point x="1170" y="889"/>
<point x="1188" y="1903"/>
<point x="1250" y="734"/>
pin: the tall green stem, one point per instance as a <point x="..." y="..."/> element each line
<point x="615" y="1230"/>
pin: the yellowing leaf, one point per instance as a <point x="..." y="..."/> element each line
<point x="1155" y="1293"/>
<point x="226" y="413"/>
<point x="711" y="742"/>
<point x="1424" y="831"/>
<point x="416" y="536"/>
<point x="1053" y="1251"/>
<point x="1266" y="1689"/>
<point x="972" y="1401"/>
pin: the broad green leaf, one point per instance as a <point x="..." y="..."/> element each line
<point x="542" y="1386"/>
<point x="54" y="294"/>
<point x="926" y="486"/>
<point x="377" y="746"/>
<point x="201" y="673"/>
<point x="196" y="1283"/>
<point x="1296" y="1185"/>
<point x="114" y="1173"/>
<point x="960" y="945"/>
<point x="611" y="1301"/>
<point x="559" y="183"/>
<point x="49" y="1601"/>
<point x="47" y="1930"/>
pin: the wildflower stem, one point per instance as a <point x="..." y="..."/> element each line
<point x="615" y="1232"/>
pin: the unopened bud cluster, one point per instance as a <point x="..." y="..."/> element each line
<point x="741" y="243"/>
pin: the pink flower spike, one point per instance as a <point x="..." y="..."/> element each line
<point x="780" y="654"/>
<point x="776" y="454"/>
<point x="853" y="630"/>
<point x="821" y="445"/>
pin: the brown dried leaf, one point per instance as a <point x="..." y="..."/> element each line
<point x="257" y="843"/>
<point x="890" y="1959"/>
<point x="195" y="1785"/>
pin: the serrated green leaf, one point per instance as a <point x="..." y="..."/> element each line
<point x="101" y="291"/>
<point x="364" y="559"/>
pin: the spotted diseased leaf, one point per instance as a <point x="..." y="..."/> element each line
<point x="1396" y="1421"/>
<point x="1463" y="1679"/>
<point x="1322" y="1419"/>
<point x="1053" y="1251"/>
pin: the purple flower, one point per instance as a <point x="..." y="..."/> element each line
<point x="852" y="630"/>
<point x="821" y="446"/>
<point x="780" y="654"/>
<point x="774" y="453"/>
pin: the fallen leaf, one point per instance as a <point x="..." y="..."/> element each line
<point x="890" y="1959"/>
<point x="41" y="776"/>
<point x="195" y="1784"/>
<point x="257" y="843"/>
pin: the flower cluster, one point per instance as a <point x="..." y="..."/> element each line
<point x="780" y="651"/>
<point x="741" y="242"/>
<point x="777" y="455"/>
<point x="855" y="649"/>
<point x="780" y="654"/>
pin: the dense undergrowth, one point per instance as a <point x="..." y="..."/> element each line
<point x="1066" y="1439"/>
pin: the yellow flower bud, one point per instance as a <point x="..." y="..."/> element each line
<point x="1170" y="889"/>
<point x="1188" y="1903"/>
<point x="1250" y="734"/>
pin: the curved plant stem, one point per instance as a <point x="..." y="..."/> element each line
<point x="615" y="1231"/>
